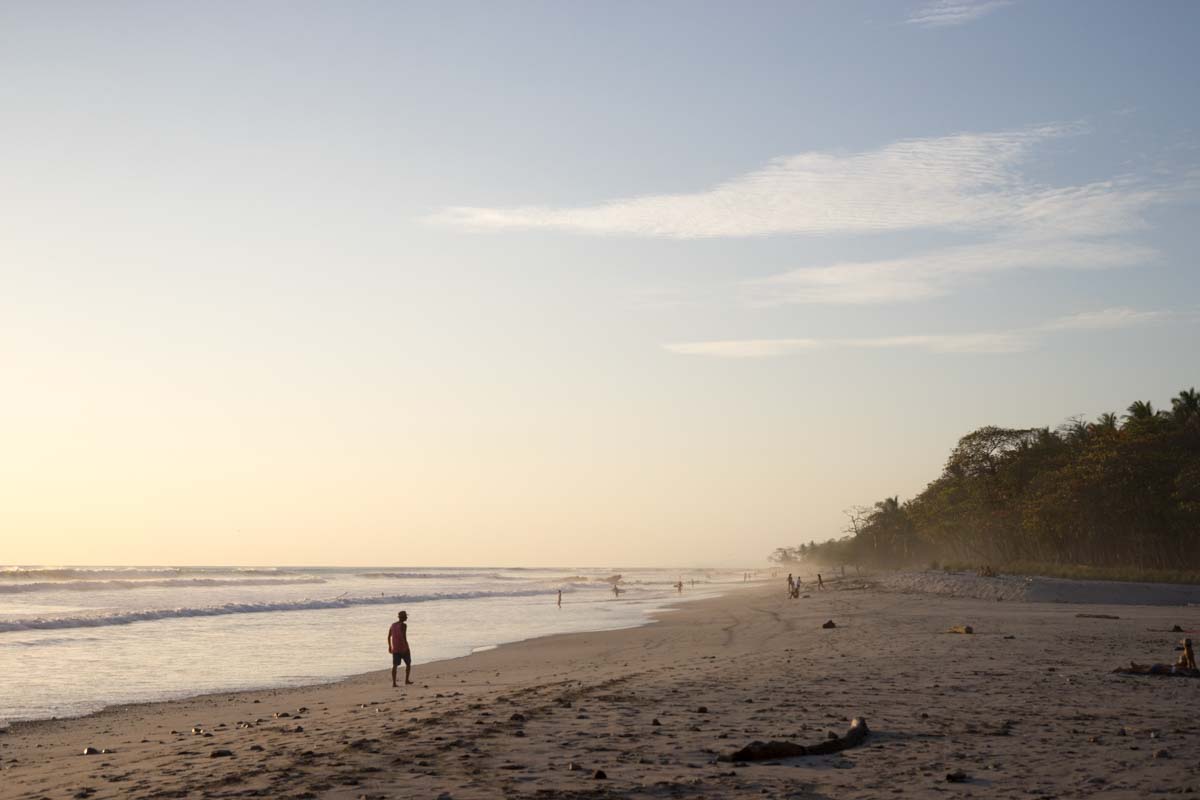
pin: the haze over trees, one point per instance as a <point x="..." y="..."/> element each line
<point x="1115" y="492"/>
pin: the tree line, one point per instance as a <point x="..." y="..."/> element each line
<point x="1120" y="491"/>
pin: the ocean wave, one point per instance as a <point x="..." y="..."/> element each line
<point x="50" y="642"/>
<point x="433" y="575"/>
<point x="128" y="617"/>
<point x="109" y="573"/>
<point x="148" y="583"/>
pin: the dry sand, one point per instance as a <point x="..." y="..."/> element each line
<point x="1024" y="707"/>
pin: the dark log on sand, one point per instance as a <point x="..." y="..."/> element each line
<point x="766" y="751"/>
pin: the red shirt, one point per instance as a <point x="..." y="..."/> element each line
<point x="397" y="638"/>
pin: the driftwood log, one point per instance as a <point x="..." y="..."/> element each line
<point x="766" y="751"/>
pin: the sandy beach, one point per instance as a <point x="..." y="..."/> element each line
<point x="1025" y="706"/>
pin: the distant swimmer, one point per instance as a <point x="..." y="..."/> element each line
<point x="679" y="587"/>
<point x="398" y="647"/>
<point x="616" y="591"/>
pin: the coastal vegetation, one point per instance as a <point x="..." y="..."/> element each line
<point x="1117" y="497"/>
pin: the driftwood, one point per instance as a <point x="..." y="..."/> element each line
<point x="766" y="751"/>
<point x="1097" y="616"/>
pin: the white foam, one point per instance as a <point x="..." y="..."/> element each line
<point x="147" y="583"/>
<point x="44" y="573"/>
<point x="128" y="617"/>
<point x="435" y="575"/>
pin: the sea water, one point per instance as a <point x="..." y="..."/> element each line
<point x="76" y="639"/>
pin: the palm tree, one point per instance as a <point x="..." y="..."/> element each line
<point x="1074" y="431"/>
<point x="1186" y="405"/>
<point x="1105" y="422"/>
<point x="1140" y="410"/>
<point x="888" y="505"/>
<point x="890" y="520"/>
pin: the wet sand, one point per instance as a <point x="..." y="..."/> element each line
<point x="1037" y="714"/>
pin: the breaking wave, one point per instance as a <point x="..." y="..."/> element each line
<point x="162" y="583"/>
<point x="434" y="575"/>
<point x="128" y="617"/>
<point x="110" y="573"/>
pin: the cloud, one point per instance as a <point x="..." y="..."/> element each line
<point x="1107" y="319"/>
<point x="965" y="182"/>
<point x="934" y="274"/>
<point x="1017" y="340"/>
<point x="746" y="348"/>
<point x="945" y="13"/>
<point x="972" y="186"/>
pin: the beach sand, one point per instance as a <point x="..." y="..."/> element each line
<point x="1025" y="706"/>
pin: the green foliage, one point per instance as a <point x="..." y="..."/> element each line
<point x="1116" y="498"/>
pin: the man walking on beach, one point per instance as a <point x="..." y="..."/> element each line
<point x="398" y="647"/>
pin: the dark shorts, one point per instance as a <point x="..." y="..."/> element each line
<point x="406" y="657"/>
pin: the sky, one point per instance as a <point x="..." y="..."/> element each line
<point x="567" y="284"/>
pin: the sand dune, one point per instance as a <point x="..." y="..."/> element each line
<point x="1026" y="706"/>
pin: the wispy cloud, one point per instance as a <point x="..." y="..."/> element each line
<point x="967" y="181"/>
<point x="971" y="185"/>
<point x="1016" y="340"/>
<point x="945" y="13"/>
<point x="1110" y="319"/>
<point x="935" y="273"/>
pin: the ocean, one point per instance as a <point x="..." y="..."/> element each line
<point x="76" y="639"/>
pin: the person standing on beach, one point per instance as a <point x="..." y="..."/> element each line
<point x="791" y="584"/>
<point x="398" y="647"/>
<point x="560" y="598"/>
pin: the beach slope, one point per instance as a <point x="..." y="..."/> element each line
<point x="1024" y="706"/>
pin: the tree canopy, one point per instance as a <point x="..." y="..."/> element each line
<point x="1117" y="492"/>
